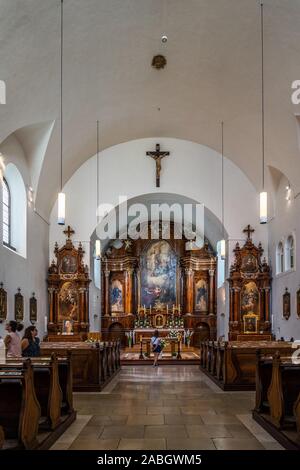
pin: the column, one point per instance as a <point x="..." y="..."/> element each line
<point x="128" y="280"/>
<point x="106" y="297"/>
<point x="262" y="305"/>
<point x="87" y="307"/>
<point x="211" y="291"/>
<point x="236" y="309"/>
<point x="189" y="274"/>
<point x="231" y="304"/>
<point x="81" y="305"/>
<point x="267" y="304"/>
<point x="51" y="304"/>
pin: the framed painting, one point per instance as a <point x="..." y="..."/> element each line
<point x="158" y="275"/>
<point x="116" y="296"/>
<point x="249" y="299"/>
<point x="68" y="302"/>
<point x="3" y="303"/>
<point x="69" y="264"/>
<point x="286" y="304"/>
<point x="250" y="323"/>
<point x="201" y="294"/>
<point x="19" y="306"/>
<point x="33" y="308"/>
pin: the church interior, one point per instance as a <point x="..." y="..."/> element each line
<point x="149" y="223"/>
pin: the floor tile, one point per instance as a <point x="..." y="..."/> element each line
<point x="142" y="444"/>
<point x="122" y="431"/>
<point x="176" y="443"/>
<point x="145" y="419"/>
<point x="237" y="444"/>
<point x="165" y="431"/>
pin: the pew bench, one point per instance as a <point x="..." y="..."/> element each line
<point x="232" y="365"/>
<point x="52" y="382"/>
<point x="20" y="410"/>
<point x="277" y="406"/>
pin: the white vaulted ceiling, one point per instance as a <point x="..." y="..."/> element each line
<point x="212" y="74"/>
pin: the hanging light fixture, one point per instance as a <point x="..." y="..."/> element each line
<point x="263" y="197"/>
<point x="61" y="196"/>
<point x="2" y="167"/>
<point x="222" y="242"/>
<point x="97" y="243"/>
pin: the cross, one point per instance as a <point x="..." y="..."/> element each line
<point x="248" y="230"/>
<point x="69" y="231"/>
<point x="158" y="156"/>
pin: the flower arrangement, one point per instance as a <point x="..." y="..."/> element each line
<point x="173" y="334"/>
<point x="187" y="336"/>
<point x="163" y="343"/>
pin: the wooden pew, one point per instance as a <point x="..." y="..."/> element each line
<point x="65" y="373"/>
<point x="93" y="364"/>
<point x="47" y="387"/>
<point x="2" y="437"/>
<point x="262" y="382"/>
<point x="232" y="365"/>
<point x="19" y="408"/>
<point x="277" y="406"/>
<point x="283" y="391"/>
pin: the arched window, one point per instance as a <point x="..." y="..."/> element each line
<point x="279" y="258"/>
<point x="6" y="201"/>
<point x="290" y="253"/>
<point x="14" y="210"/>
<point x="221" y="266"/>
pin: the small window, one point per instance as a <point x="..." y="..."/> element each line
<point x="290" y="253"/>
<point x="221" y="266"/>
<point x="6" y="213"/>
<point x="279" y="258"/>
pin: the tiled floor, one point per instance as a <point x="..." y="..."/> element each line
<point x="169" y="407"/>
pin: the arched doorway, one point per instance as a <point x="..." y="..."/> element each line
<point x="116" y="332"/>
<point x="202" y="333"/>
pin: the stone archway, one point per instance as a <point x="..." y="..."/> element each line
<point x="116" y="332"/>
<point x="202" y="333"/>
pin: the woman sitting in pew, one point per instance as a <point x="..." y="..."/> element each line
<point x="12" y="340"/>
<point x="30" y="342"/>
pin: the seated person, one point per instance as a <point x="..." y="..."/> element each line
<point x="12" y="340"/>
<point x="30" y="343"/>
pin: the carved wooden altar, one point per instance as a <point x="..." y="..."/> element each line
<point x="68" y="289"/>
<point x="158" y="284"/>
<point x="249" y="288"/>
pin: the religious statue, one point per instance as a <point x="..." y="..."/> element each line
<point x="158" y="156"/>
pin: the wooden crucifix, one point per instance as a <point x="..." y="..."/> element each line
<point x="69" y="232"/>
<point x="158" y="156"/>
<point x="248" y="230"/>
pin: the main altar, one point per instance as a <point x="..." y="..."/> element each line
<point x="150" y="284"/>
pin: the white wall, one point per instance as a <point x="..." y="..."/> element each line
<point x="285" y="222"/>
<point x="16" y="271"/>
<point x="191" y="170"/>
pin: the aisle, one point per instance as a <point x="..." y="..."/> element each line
<point x="169" y="407"/>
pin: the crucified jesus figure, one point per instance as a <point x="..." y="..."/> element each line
<point x="158" y="156"/>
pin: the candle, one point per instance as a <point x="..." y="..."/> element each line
<point x="167" y="308"/>
<point x="46" y="323"/>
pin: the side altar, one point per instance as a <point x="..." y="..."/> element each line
<point x="68" y="289"/>
<point x="158" y="284"/>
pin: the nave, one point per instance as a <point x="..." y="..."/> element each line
<point x="169" y="407"/>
